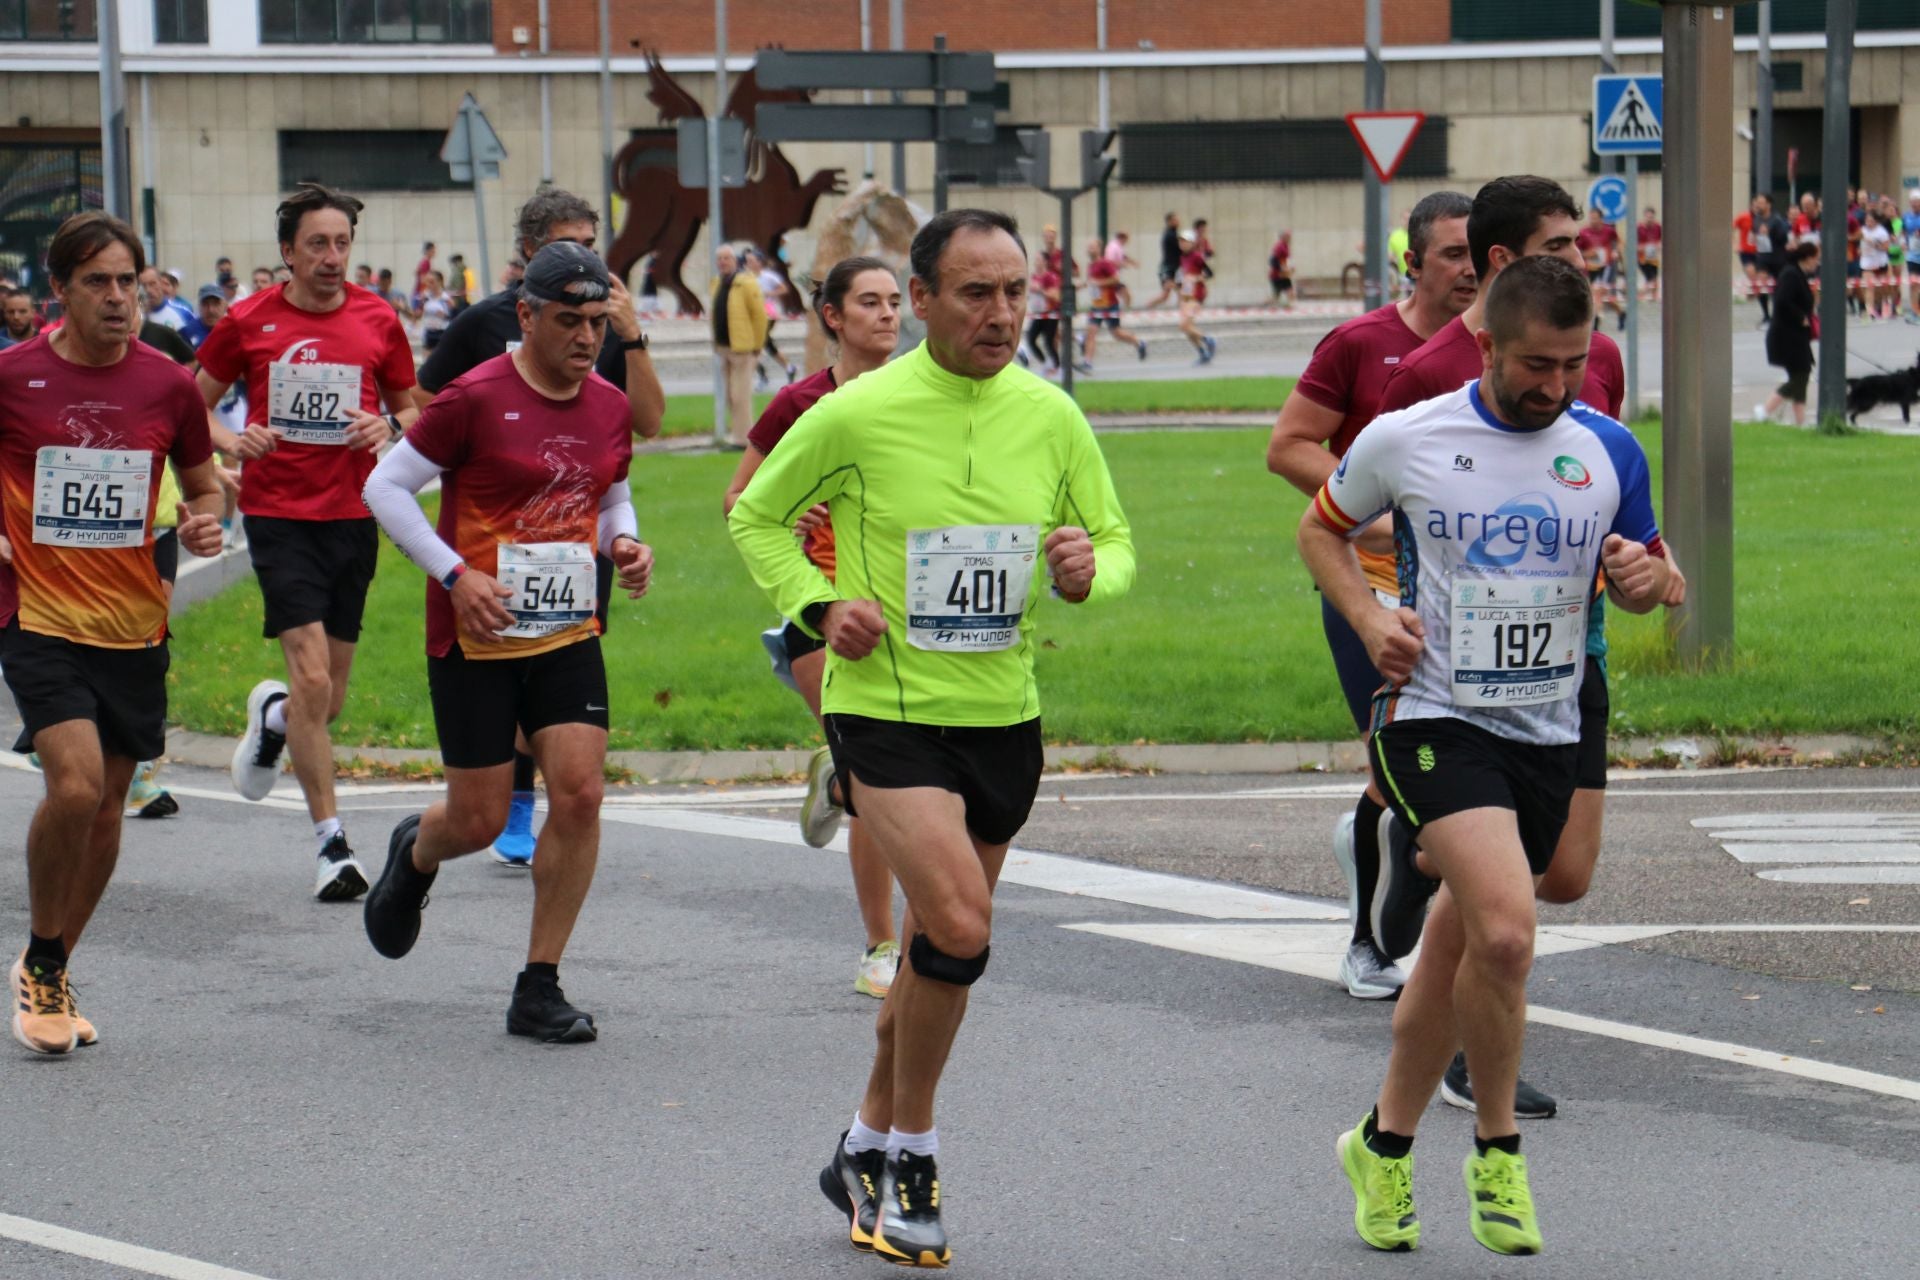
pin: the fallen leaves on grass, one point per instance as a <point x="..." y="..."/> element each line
<point x="663" y="698"/>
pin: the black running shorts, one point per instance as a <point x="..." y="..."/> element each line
<point x="1432" y="769"/>
<point x="603" y="588"/>
<point x="1591" y="773"/>
<point x="166" y="554"/>
<point x="996" y="771"/>
<point x="799" y="644"/>
<point x="477" y="705"/>
<point x="313" y="571"/>
<point x="122" y="691"/>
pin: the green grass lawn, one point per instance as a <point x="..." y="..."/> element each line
<point x="693" y="414"/>
<point x="1220" y="639"/>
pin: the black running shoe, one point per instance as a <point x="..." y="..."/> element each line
<point x="393" y="908"/>
<point x="1401" y="893"/>
<point x="852" y="1183"/>
<point x="1528" y="1102"/>
<point x="908" y="1229"/>
<point x="540" y="1010"/>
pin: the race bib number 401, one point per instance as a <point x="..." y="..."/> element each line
<point x="1517" y="643"/>
<point x="967" y="586"/>
<point x="552" y="585"/>
<point x="91" y="497"/>
<point x="312" y="403"/>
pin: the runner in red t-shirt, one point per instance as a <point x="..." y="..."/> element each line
<point x="1515" y="218"/>
<point x="1599" y="246"/>
<point x="89" y="420"/>
<point x="532" y="451"/>
<point x="1193" y="294"/>
<point x="1103" y="278"/>
<point x="1334" y="398"/>
<point x="319" y="356"/>
<point x="1647" y="237"/>
<point x="858" y="306"/>
<point x="1043" y="323"/>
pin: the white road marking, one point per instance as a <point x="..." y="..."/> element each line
<point x="1823" y="851"/>
<point x="1875" y="848"/>
<point x="1816" y="822"/>
<point x="1892" y="874"/>
<point x="1314" y="951"/>
<point x="131" y="1256"/>
<point x="1823" y="835"/>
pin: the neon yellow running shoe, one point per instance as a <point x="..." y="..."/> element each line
<point x="1382" y="1194"/>
<point x="1502" y="1203"/>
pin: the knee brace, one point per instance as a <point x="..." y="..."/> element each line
<point x="931" y="962"/>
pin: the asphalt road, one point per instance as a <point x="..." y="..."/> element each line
<point x="1150" y="1082"/>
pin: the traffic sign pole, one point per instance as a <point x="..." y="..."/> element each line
<point x="1633" y="289"/>
<point x="1375" y="281"/>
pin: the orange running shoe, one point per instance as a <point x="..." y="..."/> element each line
<point x="83" y="1030"/>
<point x="42" y="1013"/>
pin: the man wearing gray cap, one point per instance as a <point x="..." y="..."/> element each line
<point x="532" y="449"/>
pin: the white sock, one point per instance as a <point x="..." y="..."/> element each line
<point x="325" y="830"/>
<point x="276" y="717"/>
<point x="920" y="1144"/>
<point x="862" y="1137"/>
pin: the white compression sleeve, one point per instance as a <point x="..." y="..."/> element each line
<point x="390" y="494"/>
<point x="617" y="517"/>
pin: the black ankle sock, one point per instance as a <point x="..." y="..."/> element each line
<point x="1509" y="1144"/>
<point x="48" y="950"/>
<point x="1388" y="1146"/>
<point x="1766" y="308"/>
<point x="1366" y="861"/>
<point x="551" y="972"/>
<point x="522" y="772"/>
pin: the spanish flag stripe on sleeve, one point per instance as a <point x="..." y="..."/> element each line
<point x="1330" y="513"/>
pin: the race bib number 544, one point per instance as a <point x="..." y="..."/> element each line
<point x="967" y="586"/>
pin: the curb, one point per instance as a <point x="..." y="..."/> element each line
<point x="212" y="752"/>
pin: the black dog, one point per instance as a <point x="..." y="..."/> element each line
<point x="1902" y="388"/>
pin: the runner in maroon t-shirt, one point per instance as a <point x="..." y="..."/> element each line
<point x="1103" y="281"/>
<point x="1514" y="218"/>
<point x="321" y="358"/>
<point x="1599" y="246"/>
<point x="859" y="307"/>
<point x="1334" y="398"/>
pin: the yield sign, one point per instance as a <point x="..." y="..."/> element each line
<point x="1385" y="136"/>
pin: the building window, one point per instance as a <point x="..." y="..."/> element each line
<point x="1210" y="151"/>
<point x="1502" y="20"/>
<point x="359" y="161"/>
<point x="47" y="20"/>
<point x="374" y="21"/>
<point x="180" y="21"/>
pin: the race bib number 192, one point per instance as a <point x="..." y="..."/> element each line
<point x="967" y="586"/>
<point x="91" y="497"/>
<point x="312" y="403"/>
<point x="1517" y="643"/>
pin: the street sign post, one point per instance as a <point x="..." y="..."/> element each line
<point x="1609" y="196"/>
<point x="879" y="69"/>
<point x="693" y="151"/>
<point x="1384" y="137"/>
<point x="473" y="151"/>
<point x="1627" y="113"/>
<point x="904" y="122"/>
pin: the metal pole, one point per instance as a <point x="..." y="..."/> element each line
<point x="716" y="228"/>
<point x="1696" y="179"/>
<point x="1106" y="117"/>
<point x="1836" y="152"/>
<point x="939" y="126"/>
<point x="116" y="173"/>
<point x="148" y="219"/>
<point x="1633" y="288"/>
<point x="866" y="95"/>
<point x="546" y="105"/>
<point x="1608" y="164"/>
<point x="897" y="39"/>
<point x="606" y="124"/>
<point x="1067" y="354"/>
<point x="1377" y="280"/>
<point x="1763" y="117"/>
<point x="472" y="112"/>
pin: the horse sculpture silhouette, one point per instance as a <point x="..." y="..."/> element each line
<point x="664" y="217"/>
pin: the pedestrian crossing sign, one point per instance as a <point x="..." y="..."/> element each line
<point x="1626" y="115"/>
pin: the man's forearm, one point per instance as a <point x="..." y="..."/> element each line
<point x="1335" y="568"/>
<point x="1301" y="463"/>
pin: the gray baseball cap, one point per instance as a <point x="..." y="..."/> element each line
<point x="566" y="272"/>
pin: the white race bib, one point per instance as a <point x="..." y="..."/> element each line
<point x="91" y="498"/>
<point x="552" y="585"/>
<point x="967" y="586"/>
<point x="1516" y="642"/>
<point x="312" y="403"/>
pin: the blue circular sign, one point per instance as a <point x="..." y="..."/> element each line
<point x="1609" y="196"/>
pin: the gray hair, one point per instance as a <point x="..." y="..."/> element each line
<point x="549" y="207"/>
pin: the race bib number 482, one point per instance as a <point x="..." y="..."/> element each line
<point x="967" y="586"/>
<point x="312" y="403"/>
<point x="1517" y="643"/>
<point x="91" y="497"/>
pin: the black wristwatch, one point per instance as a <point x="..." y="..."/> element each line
<point x="393" y="425"/>
<point x="814" y="614"/>
<point x="634" y="344"/>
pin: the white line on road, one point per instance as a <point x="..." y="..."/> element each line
<point x="1890" y="874"/>
<point x="1824" y="851"/>
<point x="1815" y="823"/>
<point x="113" y="1252"/>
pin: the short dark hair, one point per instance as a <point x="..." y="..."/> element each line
<point x="547" y="209"/>
<point x="931" y="240"/>
<point x="1543" y="287"/>
<point x="1507" y="211"/>
<point x="833" y="290"/>
<point x="1806" y="249"/>
<point x="1438" y="207"/>
<point x="85" y="234"/>
<point x="311" y="197"/>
